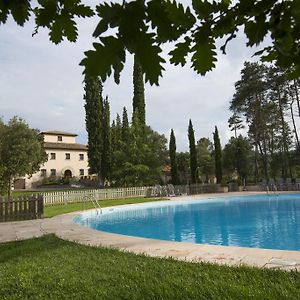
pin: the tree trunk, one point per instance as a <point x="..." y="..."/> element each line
<point x="294" y="125"/>
<point x="256" y="163"/>
<point x="286" y="163"/>
<point x="265" y="162"/>
<point x="297" y="96"/>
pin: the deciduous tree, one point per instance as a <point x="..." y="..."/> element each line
<point x="205" y="158"/>
<point x="21" y="151"/>
<point x="237" y="157"/>
<point x="142" y="27"/>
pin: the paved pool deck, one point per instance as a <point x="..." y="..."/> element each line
<point x="64" y="227"/>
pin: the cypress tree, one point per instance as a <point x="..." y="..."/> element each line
<point x="138" y="102"/>
<point x="93" y="120"/>
<point x="193" y="153"/>
<point x="106" y="151"/>
<point x="118" y="130"/>
<point x="125" y="126"/>
<point x="218" y="155"/>
<point x="113" y="136"/>
<point x="173" y="159"/>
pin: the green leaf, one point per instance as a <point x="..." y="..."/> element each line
<point x="46" y="14"/>
<point x="110" y="17"/>
<point x="224" y="25"/>
<point x="20" y="10"/>
<point x="70" y="29"/>
<point x="181" y="18"/>
<point x="83" y="11"/>
<point x="180" y="52"/>
<point x="256" y="31"/>
<point x="204" y="57"/>
<point x="131" y="22"/>
<point x="203" y="8"/>
<point x="3" y="13"/>
<point x="148" y="55"/>
<point x="158" y="16"/>
<point x="107" y="55"/>
<point x="101" y="27"/>
<point x="56" y="32"/>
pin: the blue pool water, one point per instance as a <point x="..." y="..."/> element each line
<point x="260" y="221"/>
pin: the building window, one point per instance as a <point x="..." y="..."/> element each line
<point x="43" y="172"/>
<point x="81" y="156"/>
<point x="53" y="172"/>
<point x="59" y="138"/>
<point x="52" y="156"/>
<point x="81" y="172"/>
<point x="68" y="156"/>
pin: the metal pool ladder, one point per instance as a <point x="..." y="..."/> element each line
<point x="91" y="197"/>
<point x="96" y="204"/>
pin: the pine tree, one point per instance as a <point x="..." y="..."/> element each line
<point x="193" y="153"/>
<point x="218" y="155"/>
<point x="173" y="159"/>
<point x="138" y="102"/>
<point x="93" y="120"/>
<point x="106" y="151"/>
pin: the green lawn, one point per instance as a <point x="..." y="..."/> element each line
<point x="51" y="211"/>
<point x="50" y="268"/>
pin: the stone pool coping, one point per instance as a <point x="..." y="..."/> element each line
<point x="64" y="227"/>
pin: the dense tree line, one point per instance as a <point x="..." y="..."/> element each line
<point x="266" y="102"/>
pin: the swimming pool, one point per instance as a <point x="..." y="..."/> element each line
<point x="255" y="221"/>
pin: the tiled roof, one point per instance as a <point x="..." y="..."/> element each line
<point x="56" y="132"/>
<point x="67" y="146"/>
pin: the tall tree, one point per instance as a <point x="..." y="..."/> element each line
<point x="183" y="160"/>
<point x="106" y="148"/>
<point x="237" y="156"/>
<point x="21" y="151"/>
<point x="218" y="156"/>
<point x="173" y="159"/>
<point x="205" y="159"/>
<point x="278" y="87"/>
<point x="125" y="126"/>
<point x="193" y="153"/>
<point x="94" y="123"/>
<point x="250" y="99"/>
<point x="138" y="103"/>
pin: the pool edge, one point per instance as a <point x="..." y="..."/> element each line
<point x="228" y="255"/>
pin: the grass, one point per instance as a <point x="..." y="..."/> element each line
<point x="50" y="268"/>
<point x="51" y="211"/>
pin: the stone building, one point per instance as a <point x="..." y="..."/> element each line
<point x="66" y="159"/>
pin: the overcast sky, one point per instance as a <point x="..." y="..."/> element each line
<point x="42" y="83"/>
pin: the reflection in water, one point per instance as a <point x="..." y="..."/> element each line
<point x="252" y="221"/>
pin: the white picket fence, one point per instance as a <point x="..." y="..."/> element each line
<point x="72" y="196"/>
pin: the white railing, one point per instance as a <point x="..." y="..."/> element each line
<point x="72" y="196"/>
